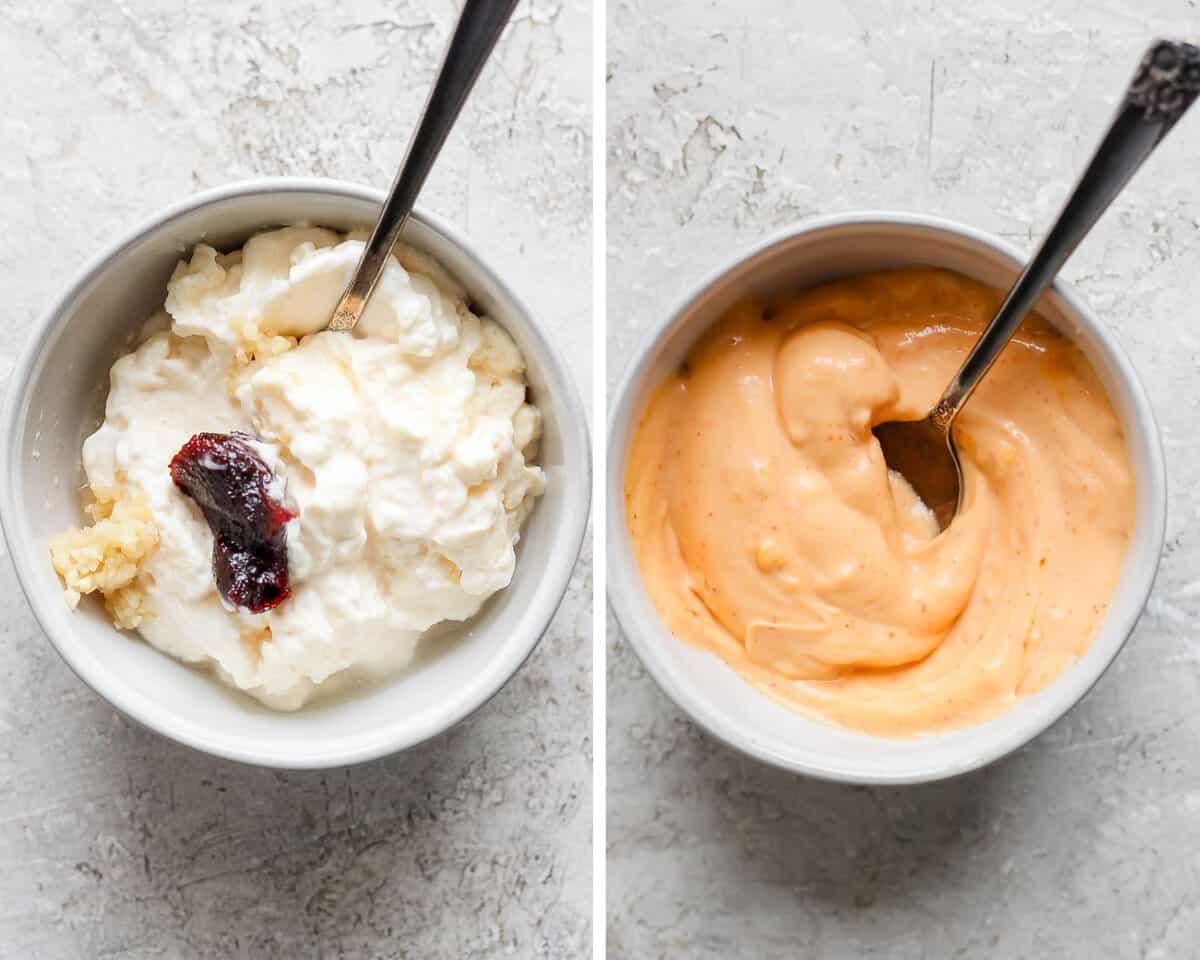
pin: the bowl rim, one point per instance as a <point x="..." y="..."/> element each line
<point x="576" y="511"/>
<point x="624" y="580"/>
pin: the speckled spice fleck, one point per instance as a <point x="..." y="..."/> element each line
<point x="730" y="120"/>
<point x="118" y="844"/>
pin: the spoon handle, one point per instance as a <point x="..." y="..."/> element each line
<point x="1166" y="84"/>
<point x="479" y="27"/>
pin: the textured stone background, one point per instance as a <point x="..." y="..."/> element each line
<point x="117" y="844"/>
<point x="727" y="121"/>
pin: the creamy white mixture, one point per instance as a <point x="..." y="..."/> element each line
<point x="403" y="450"/>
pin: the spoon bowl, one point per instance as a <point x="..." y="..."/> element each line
<point x="923" y="453"/>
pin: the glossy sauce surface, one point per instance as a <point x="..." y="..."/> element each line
<point x="769" y="531"/>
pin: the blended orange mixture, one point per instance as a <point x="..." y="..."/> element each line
<point x="769" y="531"/>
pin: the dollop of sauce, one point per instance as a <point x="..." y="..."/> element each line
<point x="768" y="529"/>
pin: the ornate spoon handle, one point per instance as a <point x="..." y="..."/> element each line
<point x="1165" y="85"/>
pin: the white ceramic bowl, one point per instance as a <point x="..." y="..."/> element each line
<point x="56" y="398"/>
<point x="716" y="697"/>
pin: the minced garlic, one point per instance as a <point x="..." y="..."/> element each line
<point x="107" y="557"/>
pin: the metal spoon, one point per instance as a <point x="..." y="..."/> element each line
<point x="479" y="27"/>
<point x="923" y="451"/>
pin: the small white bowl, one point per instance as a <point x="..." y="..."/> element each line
<point x="713" y="694"/>
<point x="56" y="398"/>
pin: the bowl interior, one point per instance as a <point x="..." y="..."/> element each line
<point x="716" y="696"/>
<point x="58" y="399"/>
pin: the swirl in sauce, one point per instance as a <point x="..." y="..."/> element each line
<point x="769" y="531"/>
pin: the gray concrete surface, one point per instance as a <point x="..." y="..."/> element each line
<point x="117" y="844"/>
<point x="727" y="121"/>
